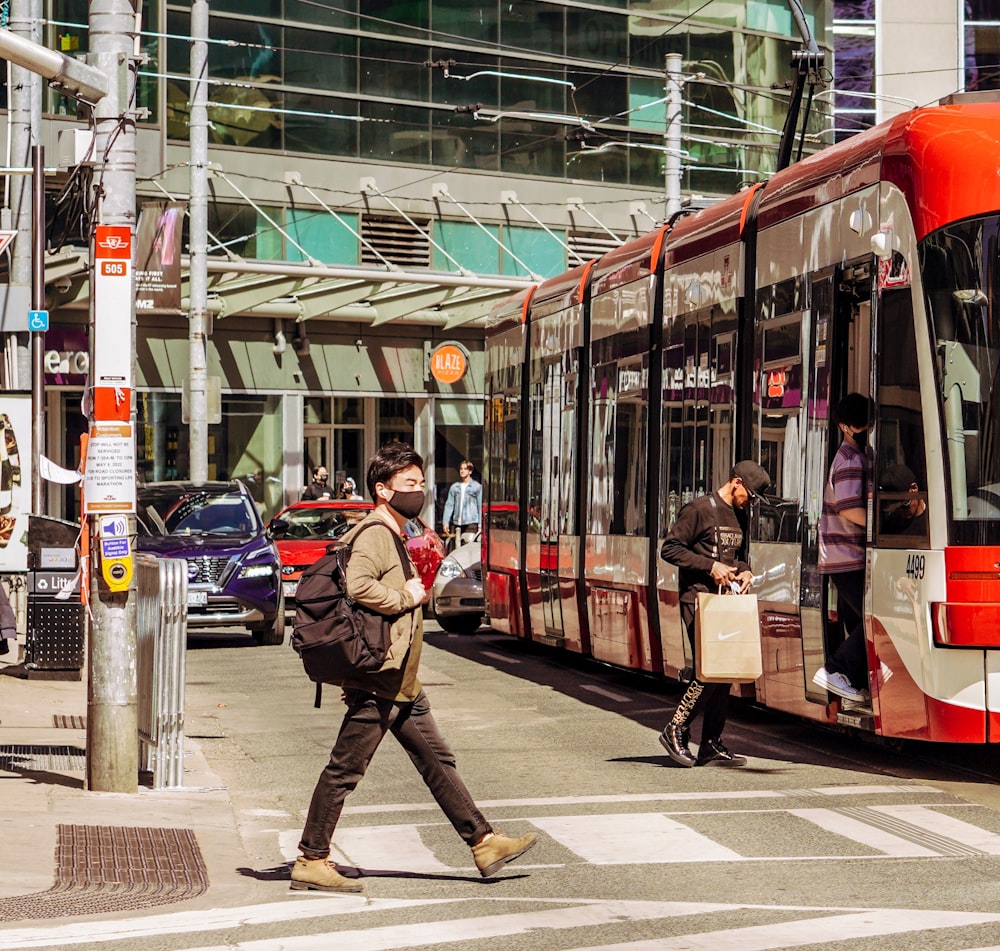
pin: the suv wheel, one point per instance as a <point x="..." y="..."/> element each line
<point x="271" y="632"/>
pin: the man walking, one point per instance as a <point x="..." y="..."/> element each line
<point x="709" y="543"/>
<point x="464" y="505"/>
<point x="392" y="699"/>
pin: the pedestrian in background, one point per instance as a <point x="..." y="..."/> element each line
<point x="349" y="490"/>
<point x="392" y="699"/>
<point x="318" y="490"/>
<point x="463" y="507"/>
<point x="709" y="544"/>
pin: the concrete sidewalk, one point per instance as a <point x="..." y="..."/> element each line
<point x="45" y="806"/>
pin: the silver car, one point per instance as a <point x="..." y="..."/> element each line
<point x="457" y="595"/>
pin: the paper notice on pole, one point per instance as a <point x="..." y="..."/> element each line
<point x="109" y="475"/>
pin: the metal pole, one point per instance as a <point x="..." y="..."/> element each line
<point x="38" y="339"/>
<point x="198" y="315"/>
<point x="25" y="125"/>
<point x="112" y="721"/>
<point x="672" y="156"/>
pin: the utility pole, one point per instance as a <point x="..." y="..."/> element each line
<point x="198" y="316"/>
<point x="112" y="722"/>
<point x="672" y="155"/>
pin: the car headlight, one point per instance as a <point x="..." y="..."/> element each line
<point x="449" y="569"/>
<point x="268" y="551"/>
<point x="256" y="571"/>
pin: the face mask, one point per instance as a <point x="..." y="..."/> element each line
<point x="322" y="478"/>
<point x="861" y="439"/>
<point x="408" y="504"/>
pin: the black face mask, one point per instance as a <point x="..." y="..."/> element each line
<point x="861" y="439"/>
<point x="408" y="504"/>
<point x="322" y="478"/>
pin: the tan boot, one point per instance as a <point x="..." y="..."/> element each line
<point x="321" y="875"/>
<point x="494" y="850"/>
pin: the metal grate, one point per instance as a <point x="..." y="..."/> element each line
<point x="396" y="240"/>
<point x="62" y="721"/>
<point x="590" y="244"/>
<point x="206" y="569"/>
<point x="21" y="759"/>
<point x="115" y="868"/>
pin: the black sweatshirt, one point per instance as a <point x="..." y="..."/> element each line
<point x="691" y="543"/>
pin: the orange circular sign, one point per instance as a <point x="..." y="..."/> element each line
<point x="448" y="363"/>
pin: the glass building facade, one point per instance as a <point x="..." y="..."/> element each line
<point x="549" y="89"/>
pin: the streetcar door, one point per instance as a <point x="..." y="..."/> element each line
<point x="544" y="497"/>
<point x="839" y="363"/>
<point x="782" y="341"/>
<point x="552" y="536"/>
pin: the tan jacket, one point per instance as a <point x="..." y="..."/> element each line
<point x="375" y="579"/>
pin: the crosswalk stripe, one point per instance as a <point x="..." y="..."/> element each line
<point x="872" y="836"/>
<point x="941" y="824"/>
<point x="397" y="937"/>
<point x="617" y="697"/>
<point x="820" y="925"/>
<point x="502" y="657"/>
<point x="380" y="847"/>
<point x="213" y="919"/>
<point x="829" y="929"/>
<point x="635" y="838"/>
<point x="902" y="789"/>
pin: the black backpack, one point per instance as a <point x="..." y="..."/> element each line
<point x="336" y="637"/>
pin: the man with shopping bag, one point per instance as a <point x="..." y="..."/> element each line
<point x="709" y="545"/>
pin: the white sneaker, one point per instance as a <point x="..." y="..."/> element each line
<point x="837" y="683"/>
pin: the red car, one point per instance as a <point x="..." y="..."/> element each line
<point x="303" y="530"/>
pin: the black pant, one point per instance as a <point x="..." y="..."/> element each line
<point x="712" y="704"/>
<point x="851" y="657"/>
<point x="367" y="720"/>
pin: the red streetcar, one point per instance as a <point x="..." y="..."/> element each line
<point x="620" y="390"/>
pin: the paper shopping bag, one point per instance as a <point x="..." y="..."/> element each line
<point x="727" y="638"/>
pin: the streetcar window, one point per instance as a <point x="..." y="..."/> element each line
<point x="961" y="282"/>
<point x="900" y="466"/>
<point x="778" y="390"/>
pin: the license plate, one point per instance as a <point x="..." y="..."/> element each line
<point x="197" y="599"/>
<point x="289" y="587"/>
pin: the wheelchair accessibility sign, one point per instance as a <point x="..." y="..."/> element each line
<point x="38" y="321"/>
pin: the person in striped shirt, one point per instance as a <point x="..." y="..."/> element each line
<point x="842" y="534"/>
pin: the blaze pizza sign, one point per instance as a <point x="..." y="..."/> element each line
<point x="449" y="362"/>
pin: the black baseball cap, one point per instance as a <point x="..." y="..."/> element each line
<point x="752" y="475"/>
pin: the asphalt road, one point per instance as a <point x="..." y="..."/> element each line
<point x="822" y="841"/>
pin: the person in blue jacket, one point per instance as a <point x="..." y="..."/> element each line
<point x="463" y="507"/>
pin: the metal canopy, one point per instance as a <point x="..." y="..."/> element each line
<point x="304" y="292"/>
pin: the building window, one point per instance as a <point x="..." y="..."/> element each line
<point x="247" y="445"/>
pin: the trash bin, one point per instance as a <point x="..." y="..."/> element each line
<point x="53" y="647"/>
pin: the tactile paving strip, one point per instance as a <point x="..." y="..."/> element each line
<point x="115" y="868"/>
<point x="28" y="758"/>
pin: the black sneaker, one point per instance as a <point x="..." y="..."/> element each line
<point x="713" y="753"/>
<point x="673" y="740"/>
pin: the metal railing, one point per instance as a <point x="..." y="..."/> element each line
<point x="161" y="642"/>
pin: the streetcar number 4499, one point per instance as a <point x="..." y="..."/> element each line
<point x="915" y="566"/>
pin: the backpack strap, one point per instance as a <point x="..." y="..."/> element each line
<point x="404" y="555"/>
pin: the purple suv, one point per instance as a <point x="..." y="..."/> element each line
<point x="234" y="574"/>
